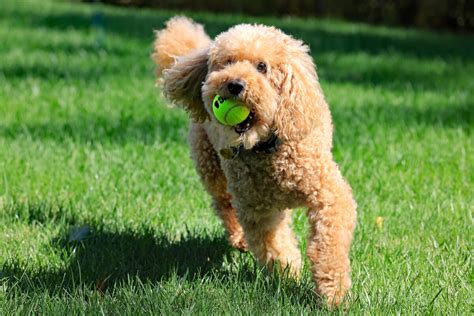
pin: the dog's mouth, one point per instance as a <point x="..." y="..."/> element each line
<point x="245" y="125"/>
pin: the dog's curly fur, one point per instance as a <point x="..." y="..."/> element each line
<point x="254" y="192"/>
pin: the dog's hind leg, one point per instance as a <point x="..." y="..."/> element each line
<point x="208" y="166"/>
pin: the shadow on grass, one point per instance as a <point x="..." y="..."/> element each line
<point x="137" y="24"/>
<point x="322" y="39"/>
<point x="101" y="260"/>
<point x="171" y="127"/>
<point x="402" y="116"/>
<point x="94" y="128"/>
<point x="104" y="262"/>
<point x="104" y="259"/>
<point x="96" y="70"/>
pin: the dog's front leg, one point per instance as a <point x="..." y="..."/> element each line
<point x="270" y="239"/>
<point x="332" y="215"/>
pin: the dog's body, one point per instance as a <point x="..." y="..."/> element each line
<point x="279" y="159"/>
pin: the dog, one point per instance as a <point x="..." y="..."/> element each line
<point x="279" y="158"/>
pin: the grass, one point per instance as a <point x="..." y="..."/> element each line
<point x="101" y="210"/>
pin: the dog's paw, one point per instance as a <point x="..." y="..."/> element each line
<point x="336" y="300"/>
<point x="237" y="241"/>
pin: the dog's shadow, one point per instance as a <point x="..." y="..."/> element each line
<point x="102" y="259"/>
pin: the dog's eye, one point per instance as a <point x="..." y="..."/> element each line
<point x="262" y="67"/>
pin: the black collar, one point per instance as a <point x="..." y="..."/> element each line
<point x="269" y="146"/>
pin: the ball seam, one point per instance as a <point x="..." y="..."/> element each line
<point x="227" y="112"/>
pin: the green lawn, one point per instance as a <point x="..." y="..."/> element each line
<point x="101" y="210"/>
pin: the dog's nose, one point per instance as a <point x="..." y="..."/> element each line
<point x="235" y="86"/>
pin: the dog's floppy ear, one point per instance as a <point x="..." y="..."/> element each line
<point x="300" y="95"/>
<point x="182" y="83"/>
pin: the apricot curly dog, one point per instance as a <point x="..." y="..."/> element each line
<point x="279" y="158"/>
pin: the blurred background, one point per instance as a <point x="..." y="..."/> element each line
<point x="430" y="14"/>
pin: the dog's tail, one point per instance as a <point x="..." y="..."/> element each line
<point x="180" y="37"/>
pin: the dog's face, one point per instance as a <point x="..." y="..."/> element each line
<point x="267" y="70"/>
<point x="245" y="64"/>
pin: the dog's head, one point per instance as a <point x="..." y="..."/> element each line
<point x="267" y="70"/>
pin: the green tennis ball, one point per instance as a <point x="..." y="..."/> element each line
<point x="229" y="112"/>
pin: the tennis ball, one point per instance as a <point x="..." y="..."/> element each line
<point x="229" y="112"/>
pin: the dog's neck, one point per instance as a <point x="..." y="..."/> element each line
<point x="266" y="147"/>
<point x="269" y="146"/>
